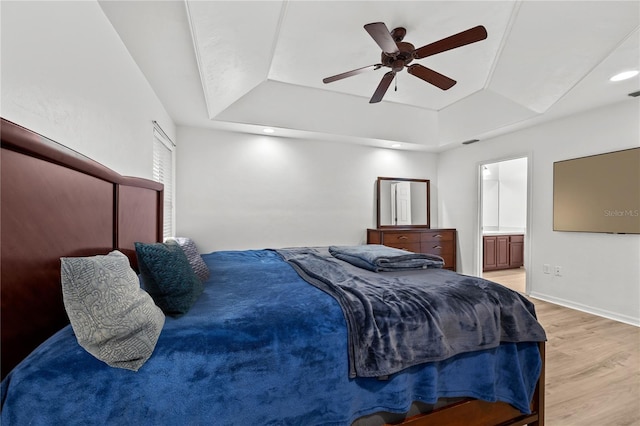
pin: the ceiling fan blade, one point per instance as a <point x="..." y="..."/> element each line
<point x="382" y="87"/>
<point x="430" y="76"/>
<point x="381" y="35"/>
<point x="350" y="73"/>
<point x="457" y="40"/>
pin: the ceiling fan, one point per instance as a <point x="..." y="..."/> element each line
<point x="397" y="54"/>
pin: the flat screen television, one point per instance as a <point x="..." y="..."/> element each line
<point x="598" y="193"/>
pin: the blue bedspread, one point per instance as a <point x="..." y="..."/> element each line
<point x="260" y="346"/>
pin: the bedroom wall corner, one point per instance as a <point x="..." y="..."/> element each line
<point x="600" y="272"/>
<point x="67" y="75"/>
<point x="243" y="191"/>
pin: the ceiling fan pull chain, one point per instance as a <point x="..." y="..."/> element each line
<point x="396" y="84"/>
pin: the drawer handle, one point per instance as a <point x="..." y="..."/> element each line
<point x="403" y="237"/>
<point x="437" y="247"/>
<point x="437" y="236"/>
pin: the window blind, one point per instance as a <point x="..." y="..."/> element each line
<point x="163" y="168"/>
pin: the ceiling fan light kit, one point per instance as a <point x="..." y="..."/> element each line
<point x="397" y="55"/>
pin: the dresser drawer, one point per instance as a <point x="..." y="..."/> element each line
<point x="414" y="247"/>
<point x="400" y="237"/>
<point x="437" y="236"/>
<point x="444" y="249"/>
<point x="437" y="247"/>
<point x="517" y="239"/>
<point x="448" y="261"/>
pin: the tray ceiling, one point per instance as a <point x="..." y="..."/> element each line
<point x="241" y="65"/>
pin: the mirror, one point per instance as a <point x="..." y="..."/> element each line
<point x="402" y="203"/>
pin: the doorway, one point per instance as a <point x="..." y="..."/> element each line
<point x="503" y="218"/>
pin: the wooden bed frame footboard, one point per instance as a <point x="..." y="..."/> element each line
<point x="56" y="202"/>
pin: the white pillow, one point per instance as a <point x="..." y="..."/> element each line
<point x="112" y="317"/>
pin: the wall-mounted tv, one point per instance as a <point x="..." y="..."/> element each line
<point x="599" y="193"/>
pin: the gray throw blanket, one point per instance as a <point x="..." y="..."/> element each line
<point x="399" y="319"/>
<point x="379" y="258"/>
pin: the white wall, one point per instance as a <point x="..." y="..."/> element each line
<point x="513" y="194"/>
<point x="600" y="272"/>
<point x="490" y="204"/>
<point x="67" y="75"/>
<point x="241" y="191"/>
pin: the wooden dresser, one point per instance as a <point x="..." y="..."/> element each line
<point x="419" y="240"/>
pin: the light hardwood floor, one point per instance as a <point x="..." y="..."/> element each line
<point x="593" y="368"/>
<point x="515" y="279"/>
<point x="593" y="364"/>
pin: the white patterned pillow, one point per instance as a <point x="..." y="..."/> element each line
<point x="193" y="255"/>
<point x="112" y="317"/>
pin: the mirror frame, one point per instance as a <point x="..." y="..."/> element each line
<point x="378" y="185"/>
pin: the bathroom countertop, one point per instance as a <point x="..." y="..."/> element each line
<point x="503" y="232"/>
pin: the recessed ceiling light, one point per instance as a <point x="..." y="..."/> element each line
<point x="624" y="75"/>
<point x="268" y="130"/>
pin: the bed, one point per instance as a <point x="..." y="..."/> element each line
<point x="259" y="345"/>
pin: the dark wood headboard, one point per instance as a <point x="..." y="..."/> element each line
<point x="54" y="203"/>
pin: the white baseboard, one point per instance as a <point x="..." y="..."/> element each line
<point x="588" y="309"/>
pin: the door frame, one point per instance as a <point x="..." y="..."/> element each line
<point x="528" y="223"/>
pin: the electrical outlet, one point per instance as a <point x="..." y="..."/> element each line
<point x="557" y="271"/>
<point x="546" y="268"/>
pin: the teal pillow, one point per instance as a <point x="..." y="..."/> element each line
<point x="167" y="276"/>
